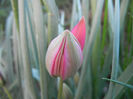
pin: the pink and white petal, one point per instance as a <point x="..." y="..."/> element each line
<point x="72" y="57"/>
<point x="52" y="51"/>
<point x="79" y="31"/>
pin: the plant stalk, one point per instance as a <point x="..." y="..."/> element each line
<point x="60" y="89"/>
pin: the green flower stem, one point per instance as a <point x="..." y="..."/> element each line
<point x="7" y="92"/>
<point x="60" y="89"/>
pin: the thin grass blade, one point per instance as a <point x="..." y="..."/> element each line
<point x="15" y="11"/>
<point x="53" y="18"/>
<point x="8" y="48"/>
<point x="125" y="77"/>
<point x="29" y="91"/>
<point x="116" y="40"/>
<point x="41" y="45"/>
<point x="119" y="82"/>
<point x="76" y="13"/>
<point x="85" y="13"/>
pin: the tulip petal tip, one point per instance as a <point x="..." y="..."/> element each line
<point x="79" y="31"/>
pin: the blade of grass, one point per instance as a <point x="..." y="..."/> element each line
<point x="95" y="63"/>
<point x="131" y="51"/>
<point x="14" y="4"/>
<point x="29" y="91"/>
<point x="52" y="27"/>
<point x="8" y="48"/>
<point x="119" y="82"/>
<point x="17" y="58"/>
<point x="115" y="60"/>
<point x="125" y="77"/>
<point x="97" y="54"/>
<point x="31" y="35"/>
<point x="111" y="15"/>
<point x="93" y="6"/>
<point x="7" y="92"/>
<point x="123" y="12"/>
<point x="105" y="71"/>
<point x="76" y="13"/>
<point x="41" y="45"/>
<point x="51" y="7"/>
<point x="105" y="24"/>
<point x="61" y="24"/>
<point x="86" y="68"/>
<point x="53" y="18"/>
<point x="85" y="13"/>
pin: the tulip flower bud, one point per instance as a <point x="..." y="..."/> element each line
<point x="64" y="55"/>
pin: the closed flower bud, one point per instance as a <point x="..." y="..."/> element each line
<point x="67" y="93"/>
<point x="64" y="55"/>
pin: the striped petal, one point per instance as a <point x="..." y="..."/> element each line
<point x="64" y="55"/>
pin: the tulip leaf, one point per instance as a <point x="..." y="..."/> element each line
<point x="123" y="12"/>
<point x="29" y="90"/>
<point x="116" y="40"/>
<point x="53" y="18"/>
<point x="118" y="82"/>
<point x="93" y="7"/>
<point x="41" y="41"/>
<point x="85" y="13"/>
<point x="76" y="13"/>
<point x="61" y="24"/>
<point x="15" y="11"/>
<point x="7" y="48"/>
<point x="125" y="77"/>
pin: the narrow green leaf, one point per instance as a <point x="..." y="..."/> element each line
<point x="31" y="35"/>
<point x="85" y="13"/>
<point x="17" y="57"/>
<point x="123" y="12"/>
<point x="76" y="13"/>
<point x="8" y="48"/>
<point x="28" y="90"/>
<point x="93" y="6"/>
<point x="15" y="11"/>
<point x="125" y="77"/>
<point x="106" y="69"/>
<point x="52" y="26"/>
<point x="61" y="24"/>
<point x="51" y="7"/>
<point x="111" y="15"/>
<point x="105" y="24"/>
<point x="95" y="63"/>
<point x="41" y="45"/>
<point x="119" y="82"/>
<point x="116" y="40"/>
<point x="53" y="18"/>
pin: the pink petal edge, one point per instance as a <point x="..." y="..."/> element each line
<point x="79" y="31"/>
